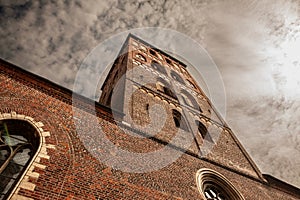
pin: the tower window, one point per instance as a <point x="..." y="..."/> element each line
<point x="19" y="142"/>
<point x="140" y="57"/>
<point x="190" y="100"/>
<point x="169" y="92"/>
<point x="169" y="61"/>
<point x="152" y="52"/>
<point x="155" y="65"/>
<point x="203" y="131"/>
<point x="177" y="77"/>
<point x="179" y="120"/>
<point x="160" y="87"/>
<point x="164" y="87"/>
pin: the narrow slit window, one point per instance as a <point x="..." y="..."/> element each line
<point x="179" y="120"/>
<point x="203" y="131"/>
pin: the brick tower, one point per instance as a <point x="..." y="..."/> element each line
<point x="143" y="76"/>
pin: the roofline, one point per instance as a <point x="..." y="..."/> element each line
<point x="282" y="186"/>
<point x="130" y="35"/>
<point x="53" y="89"/>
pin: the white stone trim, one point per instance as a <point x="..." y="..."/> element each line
<point x="208" y="175"/>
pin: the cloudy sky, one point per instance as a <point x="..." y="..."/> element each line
<point x="255" y="45"/>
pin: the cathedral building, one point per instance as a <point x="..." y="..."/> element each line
<point x="153" y="134"/>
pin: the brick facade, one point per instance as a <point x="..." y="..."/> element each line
<point x="64" y="168"/>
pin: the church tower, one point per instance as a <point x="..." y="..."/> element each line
<point x="143" y="77"/>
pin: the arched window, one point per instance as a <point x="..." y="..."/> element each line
<point x="214" y="192"/>
<point x="214" y="186"/>
<point x="177" y="77"/>
<point x="168" y="61"/>
<point x="203" y="131"/>
<point x="155" y="65"/>
<point x="152" y="52"/>
<point x="164" y="87"/>
<point x="19" y="142"/>
<point x="190" y="100"/>
<point x="179" y="120"/>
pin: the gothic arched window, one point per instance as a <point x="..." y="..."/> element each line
<point x="152" y="52"/>
<point x="155" y="65"/>
<point x="190" y="100"/>
<point x="177" y="77"/>
<point x="19" y="142"/>
<point x="203" y="131"/>
<point x="179" y="120"/>
<point x="165" y="88"/>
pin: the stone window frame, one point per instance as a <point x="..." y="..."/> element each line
<point x="158" y="67"/>
<point x="177" y="77"/>
<point x="41" y="153"/>
<point x="207" y="177"/>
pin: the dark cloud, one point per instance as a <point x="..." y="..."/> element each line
<point x="270" y="132"/>
<point x="14" y="10"/>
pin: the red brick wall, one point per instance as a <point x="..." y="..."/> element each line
<point x="72" y="172"/>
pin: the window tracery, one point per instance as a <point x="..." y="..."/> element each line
<point x="214" y="186"/>
<point x="19" y="142"/>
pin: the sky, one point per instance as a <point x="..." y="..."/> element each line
<point x="255" y="45"/>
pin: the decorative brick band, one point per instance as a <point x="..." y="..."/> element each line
<point x="35" y="161"/>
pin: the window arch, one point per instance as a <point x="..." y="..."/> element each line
<point x="158" y="67"/>
<point x="19" y="142"/>
<point x="203" y="131"/>
<point x="152" y="52"/>
<point x="164" y="87"/>
<point x="179" y="120"/>
<point x="177" y="77"/>
<point x="214" y="186"/>
<point x="190" y="100"/>
<point x="168" y="61"/>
